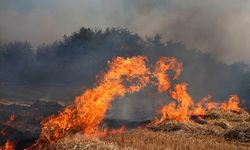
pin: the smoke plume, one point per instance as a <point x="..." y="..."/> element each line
<point x="218" y="27"/>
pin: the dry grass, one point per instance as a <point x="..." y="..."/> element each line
<point x="144" y="139"/>
<point x="221" y="131"/>
<point x="79" y="142"/>
<point x="228" y="125"/>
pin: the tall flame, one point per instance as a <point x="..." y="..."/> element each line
<point x="162" y="66"/>
<point x="124" y="76"/>
<point x="180" y="111"/>
<point x="185" y="107"/>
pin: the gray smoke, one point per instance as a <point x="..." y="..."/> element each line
<point x="220" y="27"/>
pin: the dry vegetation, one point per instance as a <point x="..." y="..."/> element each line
<point x="223" y="131"/>
<point x="227" y="125"/>
<point x="79" y="142"/>
<point x="144" y="139"/>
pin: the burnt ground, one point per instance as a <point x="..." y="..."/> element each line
<point x="26" y="126"/>
<point x="25" y="129"/>
<point x="228" y="128"/>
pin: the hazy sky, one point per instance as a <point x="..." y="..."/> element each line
<point x="220" y="27"/>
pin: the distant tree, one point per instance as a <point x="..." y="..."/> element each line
<point x="79" y="57"/>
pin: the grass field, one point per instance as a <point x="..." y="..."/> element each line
<point x="144" y="139"/>
<point x="219" y="131"/>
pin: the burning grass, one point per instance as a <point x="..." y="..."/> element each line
<point x="145" y="139"/>
<point x="182" y="116"/>
<point x="227" y="125"/>
<point x="9" y="145"/>
<point x="219" y="130"/>
<point x="79" y="142"/>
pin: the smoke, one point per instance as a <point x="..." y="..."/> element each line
<point x="218" y="27"/>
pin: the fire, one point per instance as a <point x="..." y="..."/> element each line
<point x="93" y="104"/>
<point x="106" y="131"/>
<point x="199" y="109"/>
<point x="9" y="145"/>
<point x="162" y="66"/>
<point x="186" y="107"/>
<point x="8" y="123"/>
<point x="126" y="76"/>
<point x="232" y="105"/>
<point x="180" y="112"/>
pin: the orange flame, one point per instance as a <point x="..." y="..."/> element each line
<point x="121" y="71"/>
<point x="124" y="76"/>
<point x="162" y="66"/>
<point x="185" y="103"/>
<point x="127" y="76"/>
<point x="232" y="105"/>
<point x="9" y="145"/>
<point x="186" y="107"/>
<point x="106" y="131"/>
<point x="10" y="120"/>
